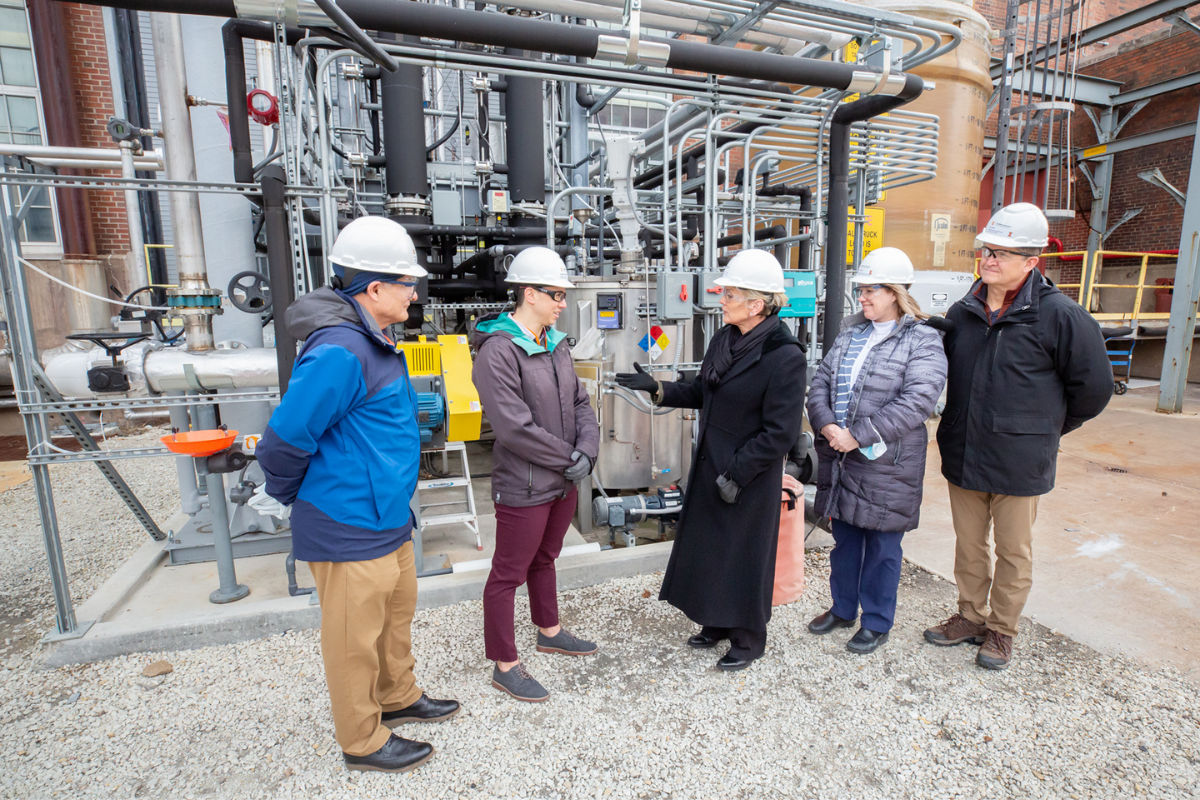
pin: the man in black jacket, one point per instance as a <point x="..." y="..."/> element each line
<point x="1026" y="365"/>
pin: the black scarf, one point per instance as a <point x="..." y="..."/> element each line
<point x="727" y="350"/>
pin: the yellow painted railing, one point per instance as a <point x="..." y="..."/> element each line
<point x="1085" y="292"/>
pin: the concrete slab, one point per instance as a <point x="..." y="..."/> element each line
<point x="13" y="473"/>
<point x="149" y="606"/>
<point x="1117" y="542"/>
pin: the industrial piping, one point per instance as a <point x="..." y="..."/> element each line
<point x="279" y="267"/>
<point x="839" y="200"/>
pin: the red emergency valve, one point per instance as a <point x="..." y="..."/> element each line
<point x="713" y="290"/>
<point x="683" y="292"/>
<point x="263" y="107"/>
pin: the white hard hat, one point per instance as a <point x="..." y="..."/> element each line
<point x="538" y="266"/>
<point x="377" y="244"/>
<point x="884" y="265"/>
<point x="1020" y="225"/>
<point x="753" y="269"/>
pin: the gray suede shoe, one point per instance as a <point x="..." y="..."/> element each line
<point x="519" y="683"/>
<point x="566" y="643"/>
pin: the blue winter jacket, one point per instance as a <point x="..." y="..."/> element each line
<point x="343" y="446"/>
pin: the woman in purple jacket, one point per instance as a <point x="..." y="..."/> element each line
<point x="547" y="438"/>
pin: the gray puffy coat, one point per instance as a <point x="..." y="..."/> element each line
<point x="896" y="391"/>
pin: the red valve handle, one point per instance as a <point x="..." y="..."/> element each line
<point x="683" y="292"/>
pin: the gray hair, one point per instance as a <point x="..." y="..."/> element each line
<point x="772" y="301"/>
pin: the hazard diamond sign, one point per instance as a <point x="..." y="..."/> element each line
<point x="655" y="342"/>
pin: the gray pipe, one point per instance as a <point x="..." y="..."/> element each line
<point x="189" y="491"/>
<point x="167" y="33"/>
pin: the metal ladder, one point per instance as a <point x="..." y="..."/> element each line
<point x="468" y="518"/>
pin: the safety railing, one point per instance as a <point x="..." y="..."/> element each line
<point x="1086" y="289"/>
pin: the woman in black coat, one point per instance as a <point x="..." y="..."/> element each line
<point x="750" y="392"/>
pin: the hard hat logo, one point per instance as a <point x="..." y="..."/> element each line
<point x="1020" y="224"/>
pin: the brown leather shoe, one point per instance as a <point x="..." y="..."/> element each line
<point x="956" y="630"/>
<point x="996" y="651"/>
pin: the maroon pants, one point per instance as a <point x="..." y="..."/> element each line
<point x="527" y="542"/>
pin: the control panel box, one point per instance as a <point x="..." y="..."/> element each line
<point x="708" y="294"/>
<point x="801" y="290"/>
<point x="609" y="316"/>
<point x="676" y="293"/>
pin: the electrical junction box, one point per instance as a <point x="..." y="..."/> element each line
<point x="497" y="201"/>
<point x="708" y="294"/>
<point x="801" y="291"/>
<point x="676" y="293"/>
<point x="608" y="312"/>
<point x="447" y="207"/>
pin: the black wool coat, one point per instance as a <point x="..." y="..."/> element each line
<point x="722" y="567"/>
<point x="1016" y="387"/>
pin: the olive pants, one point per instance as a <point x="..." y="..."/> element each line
<point x="366" y="642"/>
<point x="1006" y="588"/>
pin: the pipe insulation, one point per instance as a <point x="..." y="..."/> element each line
<point x="503" y="30"/>
<point x="156" y="371"/>
<point x="404" y="130"/>
<point x="524" y="136"/>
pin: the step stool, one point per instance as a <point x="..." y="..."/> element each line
<point x="467" y="518"/>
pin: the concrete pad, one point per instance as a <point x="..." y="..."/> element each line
<point x="149" y="606"/>
<point x="1117" y="542"/>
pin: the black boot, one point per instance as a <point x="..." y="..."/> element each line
<point x="424" y="710"/>
<point x="396" y="755"/>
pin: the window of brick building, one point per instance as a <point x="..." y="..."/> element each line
<point x="21" y="119"/>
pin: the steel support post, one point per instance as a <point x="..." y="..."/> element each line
<point x="230" y="590"/>
<point x="1101" y="191"/>
<point x="1000" y="170"/>
<point x="1181" y="329"/>
<point x="23" y="346"/>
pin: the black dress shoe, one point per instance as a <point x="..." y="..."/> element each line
<point x="733" y="663"/>
<point x="396" y="755"/>
<point x="424" y="710"/>
<point x="866" y="641"/>
<point x="827" y="622"/>
<point x="701" y="642"/>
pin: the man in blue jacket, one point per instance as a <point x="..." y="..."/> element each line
<point x="343" y="450"/>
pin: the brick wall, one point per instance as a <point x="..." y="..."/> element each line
<point x="94" y="103"/>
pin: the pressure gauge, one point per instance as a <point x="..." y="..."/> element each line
<point x="263" y="107"/>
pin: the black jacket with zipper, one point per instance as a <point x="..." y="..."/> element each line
<point x="1017" y="386"/>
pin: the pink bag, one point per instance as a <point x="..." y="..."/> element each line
<point x="789" y="557"/>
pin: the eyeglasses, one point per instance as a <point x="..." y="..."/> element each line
<point x="861" y="290"/>
<point x="557" y="295"/>
<point x="1000" y="255"/>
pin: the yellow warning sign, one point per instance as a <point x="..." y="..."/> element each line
<point x="872" y="233"/>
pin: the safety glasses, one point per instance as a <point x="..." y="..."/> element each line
<point x="1002" y="255"/>
<point x="557" y="295"/>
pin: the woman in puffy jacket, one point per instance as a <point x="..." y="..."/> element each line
<point x="868" y="403"/>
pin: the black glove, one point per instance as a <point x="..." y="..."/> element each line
<point x="728" y="489"/>
<point x="580" y="469"/>
<point x="638" y="380"/>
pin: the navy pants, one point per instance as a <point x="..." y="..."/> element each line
<point x="864" y="570"/>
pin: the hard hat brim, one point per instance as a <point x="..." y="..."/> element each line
<point x="558" y="284"/>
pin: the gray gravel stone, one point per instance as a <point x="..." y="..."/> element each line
<point x="645" y="718"/>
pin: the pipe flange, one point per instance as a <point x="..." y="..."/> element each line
<point x="403" y="205"/>
<point x="631" y="261"/>
<point x="191" y="302"/>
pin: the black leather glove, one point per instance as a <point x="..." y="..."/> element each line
<point x="638" y="380"/>
<point x="728" y="489"/>
<point x="580" y="469"/>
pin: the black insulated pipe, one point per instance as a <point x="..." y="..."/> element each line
<point x="839" y="199"/>
<point x="279" y="267"/>
<point x="404" y="130"/>
<point x="524" y="137"/>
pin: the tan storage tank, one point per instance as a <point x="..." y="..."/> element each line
<point x="916" y="215"/>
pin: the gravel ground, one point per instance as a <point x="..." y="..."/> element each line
<point x="647" y="717"/>
<point x="97" y="530"/>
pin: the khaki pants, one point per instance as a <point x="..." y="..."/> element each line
<point x="366" y="642"/>
<point x="1012" y="519"/>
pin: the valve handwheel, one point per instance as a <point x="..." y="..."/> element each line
<point x="113" y="342"/>
<point x="250" y="291"/>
